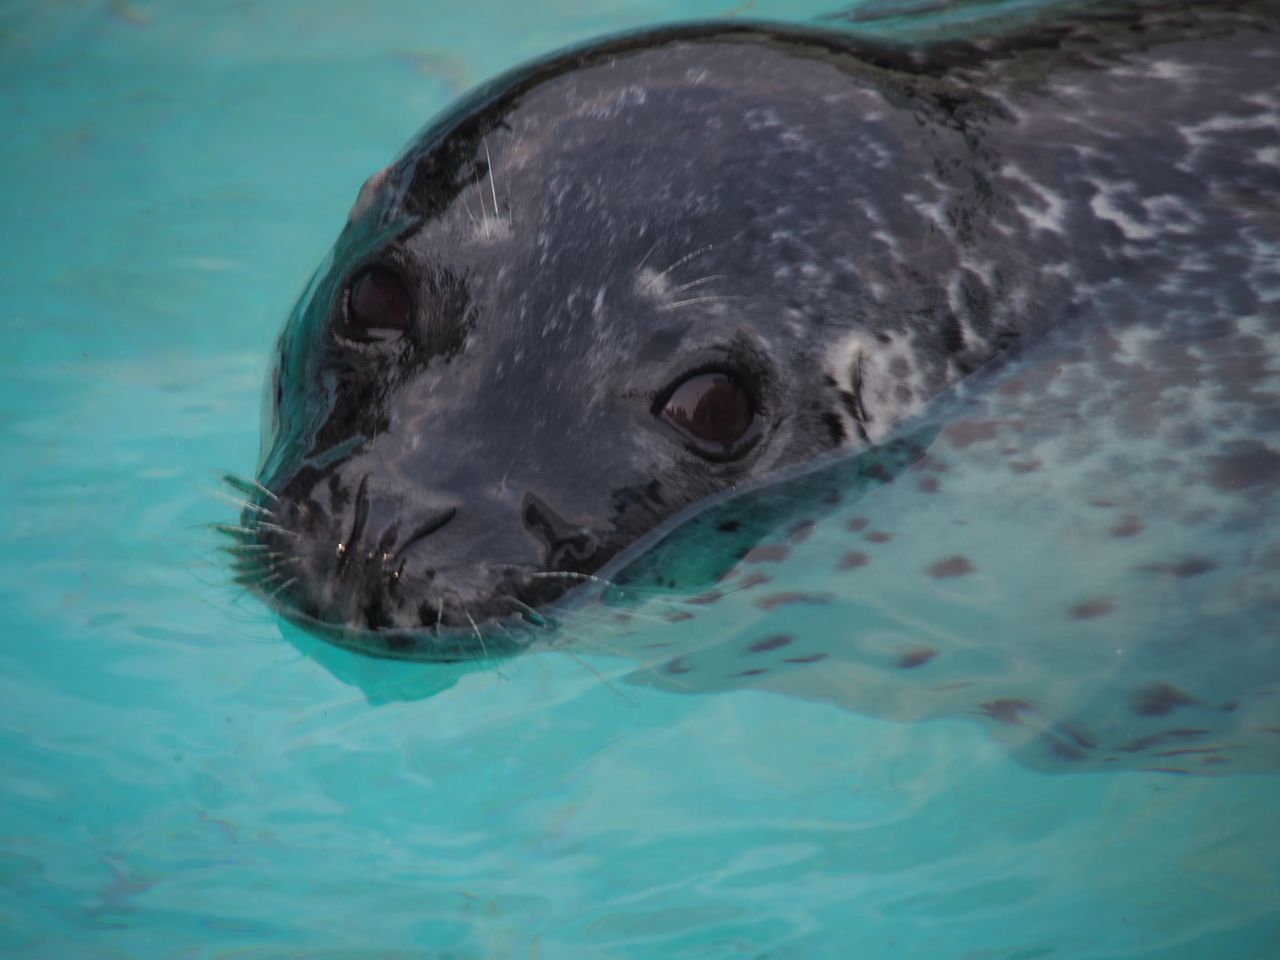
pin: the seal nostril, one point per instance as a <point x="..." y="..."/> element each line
<point x="571" y="552"/>
<point x="568" y="546"/>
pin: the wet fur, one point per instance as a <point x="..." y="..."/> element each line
<point x="857" y="226"/>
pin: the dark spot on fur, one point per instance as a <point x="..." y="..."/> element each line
<point x="1062" y="749"/>
<point x="678" y="616"/>
<point x="800" y="532"/>
<point x="781" y="599"/>
<point x="768" y="553"/>
<point x="855" y="559"/>
<point x="810" y="658"/>
<point x="878" y="536"/>
<point x="770" y="643"/>
<point x="1090" y="609"/>
<point x="1160" y="699"/>
<point x="1014" y="386"/>
<point x="952" y="334"/>
<point x="1026" y="466"/>
<point x="1079" y="739"/>
<point x="1188" y="751"/>
<point x="1104" y="504"/>
<point x="1247" y="463"/>
<point x="878" y="471"/>
<point x="1127" y="526"/>
<point x="675" y="667"/>
<point x="705" y="599"/>
<point x="1186" y="567"/>
<point x="1007" y="711"/>
<point x="1155" y="739"/>
<point x="918" y="657"/>
<point x="754" y="672"/>
<point x="835" y="427"/>
<point x="858" y="523"/>
<point x="752" y="580"/>
<point x="965" y="433"/>
<point x="654" y="493"/>
<point x="928" y="484"/>
<point x="951" y="567"/>
<point x="728" y="526"/>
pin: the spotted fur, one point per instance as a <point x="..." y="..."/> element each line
<point x="1026" y="287"/>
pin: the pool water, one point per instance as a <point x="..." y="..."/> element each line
<point x="184" y="776"/>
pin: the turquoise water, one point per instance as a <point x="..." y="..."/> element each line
<point x="184" y="777"/>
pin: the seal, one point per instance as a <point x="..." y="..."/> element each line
<point x="627" y="278"/>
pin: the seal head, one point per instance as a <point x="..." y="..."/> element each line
<point x="600" y="290"/>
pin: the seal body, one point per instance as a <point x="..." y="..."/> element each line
<point x="627" y="278"/>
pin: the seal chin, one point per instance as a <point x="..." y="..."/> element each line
<point x="494" y="639"/>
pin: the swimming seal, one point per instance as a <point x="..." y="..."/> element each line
<point x="612" y="284"/>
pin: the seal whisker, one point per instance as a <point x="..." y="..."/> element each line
<point x="599" y="615"/>
<point x="485" y="659"/>
<point x="484" y="214"/>
<point x="701" y="280"/>
<point x="243" y="504"/>
<point x="238" y="549"/>
<point x="476" y="630"/>
<point x="710" y="299"/>
<point x="531" y="615"/>
<point x="231" y="530"/>
<point x="492" y="188"/>
<point x="645" y="258"/>
<point x="270" y="568"/>
<point x="276" y="528"/>
<point x="597" y="674"/>
<point x="686" y="258"/>
<point x="246" y="486"/>
<point x="466" y="205"/>
<point x="282" y="588"/>
<point x="571" y="575"/>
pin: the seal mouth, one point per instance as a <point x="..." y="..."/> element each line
<point x="490" y="639"/>
<point x="371" y="598"/>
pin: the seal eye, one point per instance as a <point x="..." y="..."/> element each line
<point x="378" y="305"/>
<point x="713" y="408"/>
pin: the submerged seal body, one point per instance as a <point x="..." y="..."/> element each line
<point x="623" y="279"/>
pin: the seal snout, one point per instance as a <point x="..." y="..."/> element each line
<point x="370" y="562"/>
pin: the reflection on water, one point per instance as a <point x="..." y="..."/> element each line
<point x="1057" y="568"/>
